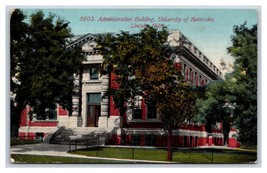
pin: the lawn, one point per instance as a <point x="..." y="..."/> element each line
<point x="179" y="156"/>
<point x="203" y="156"/>
<point x="38" y="159"/>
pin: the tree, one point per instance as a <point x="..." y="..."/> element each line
<point x="143" y="65"/>
<point x="234" y="100"/>
<point x="217" y="106"/>
<point x="244" y="50"/>
<point x="18" y="30"/>
<point x="118" y="54"/>
<point x="40" y="63"/>
<point x="176" y="105"/>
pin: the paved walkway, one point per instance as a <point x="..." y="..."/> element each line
<point x="44" y="149"/>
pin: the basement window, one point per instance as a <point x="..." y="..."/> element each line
<point x="39" y="136"/>
<point x="151" y="140"/>
<point x="136" y="140"/>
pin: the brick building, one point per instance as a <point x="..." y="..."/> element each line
<point x="93" y="116"/>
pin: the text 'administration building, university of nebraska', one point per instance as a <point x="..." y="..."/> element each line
<point x="96" y="117"/>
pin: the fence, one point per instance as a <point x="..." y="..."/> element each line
<point x="83" y="143"/>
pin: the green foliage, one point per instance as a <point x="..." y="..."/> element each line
<point x="143" y="65"/>
<point x="128" y="56"/>
<point x="235" y="98"/>
<point x="41" y="64"/>
<point x="217" y="105"/>
<point x="18" y="36"/>
<point x="244" y="49"/>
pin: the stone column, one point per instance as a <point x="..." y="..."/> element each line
<point x="103" y="119"/>
<point x="75" y="120"/>
<point x="75" y="98"/>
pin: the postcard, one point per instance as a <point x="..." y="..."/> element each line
<point x="133" y="85"/>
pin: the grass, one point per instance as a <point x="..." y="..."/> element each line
<point x="179" y="156"/>
<point x="38" y="159"/>
<point x="251" y="148"/>
<point x="214" y="157"/>
<point x="203" y="156"/>
<point x="123" y="153"/>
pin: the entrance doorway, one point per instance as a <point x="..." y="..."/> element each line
<point x="93" y="109"/>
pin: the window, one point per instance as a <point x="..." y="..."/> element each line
<point x="49" y="114"/>
<point x="94" y="73"/>
<point x="196" y="79"/>
<point x="93" y="109"/>
<point x="137" y="109"/>
<point x="185" y="141"/>
<point x="39" y="136"/>
<point x="94" y="99"/>
<point x="151" y="111"/>
<point x="136" y="140"/>
<point x="150" y="140"/>
<point x="196" y="141"/>
<point x="191" y="75"/>
<point x="185" y="72"/>
<point x="53" y="114"/>
<point x="137" y="113"/>
<point x="202" y="83"/>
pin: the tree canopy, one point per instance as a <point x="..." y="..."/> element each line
<point x="143" y="64"/>
<point x="244" y="77"/>
<point x="217" y="106"/>
<point x="234" y="100"/>
<point x="42" y="68"/>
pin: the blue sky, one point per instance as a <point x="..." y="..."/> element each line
<point x="212" y="38"/>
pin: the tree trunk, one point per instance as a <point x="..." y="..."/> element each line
<point x="226" y="131"/>
<point x="169" y="155"/>
<point x="122" y="123"/>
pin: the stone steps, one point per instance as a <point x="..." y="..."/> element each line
<point x="81" y="134"/>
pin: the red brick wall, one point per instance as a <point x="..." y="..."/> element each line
<point x="62" y="112"/>
<point x="23" y="116"/>
<point x="44" y="123"/>
<point x="233" y="143"/>
<point x="25" y="135"/>
<point x="113" y="111"/>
